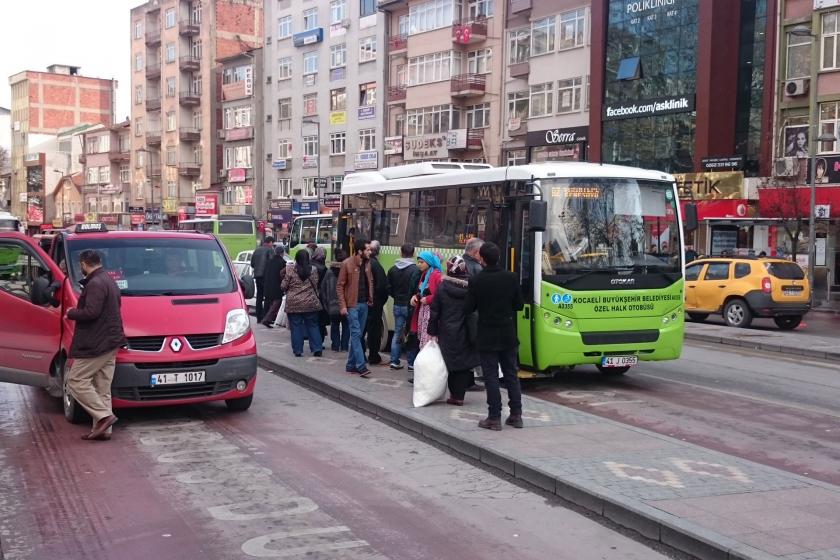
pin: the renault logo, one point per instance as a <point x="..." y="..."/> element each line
<point x="175" y="344"/>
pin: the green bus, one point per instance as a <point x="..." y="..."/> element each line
<point x="237" y="233"/>
<point x="312" y="228"/>
<point x="603" y="282"/>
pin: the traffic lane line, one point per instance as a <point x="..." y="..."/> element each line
<point x="800" y="441"/>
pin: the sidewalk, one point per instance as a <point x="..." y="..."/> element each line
<point x="707" y="504"/>
<point x="783" y="342"/>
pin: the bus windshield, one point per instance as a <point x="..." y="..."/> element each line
<point x="159" y="266"/>
<point x="611" y="225"/>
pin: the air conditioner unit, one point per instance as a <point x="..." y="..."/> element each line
<point x="268" y="79"/>
<point x="222" y="173"/>
<point x="268" y="156"/>
<point x="268" y="118"/>
<point x="345" y="23"/>
<point x="221" y="134"/>
<point x="786" y="167"/>
<point x="797" y="88"/>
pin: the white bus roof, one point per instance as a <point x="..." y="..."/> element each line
<point x="432" y="175"/>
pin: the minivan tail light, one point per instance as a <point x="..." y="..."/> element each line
<point x="766" y="285"/>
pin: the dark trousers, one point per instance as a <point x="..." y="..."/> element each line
<point x="374" y="334"/>
<point x="260" y="305"/>
<point x="272" y="311"/>
<point x="458" y="382"/>
<point x="339" y="333"/>
<point x="490" y="364"/>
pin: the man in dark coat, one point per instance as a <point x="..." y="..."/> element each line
<point x="495" y="294"/>
<point x="259" y="260"/>
<point x="273" y="293"/>
<point x="380" y="298"/>
<point x="96" y="339"/>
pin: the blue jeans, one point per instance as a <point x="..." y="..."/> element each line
<point x="400" y="319"/>
<point x="356" y="320"/>
<point x="339" y="333"/>
<point x="305" y="325"/>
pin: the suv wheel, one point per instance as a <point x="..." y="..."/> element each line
<point x="737" y="313"/>
<point x="788" y="322"/>
<point x="698" y="317"/>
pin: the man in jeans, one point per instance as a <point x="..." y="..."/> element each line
<point x="355" y="295"/>
<point x="495" y="294"/>
<point x="259" y="259"/>
<point x="403" y="279"/>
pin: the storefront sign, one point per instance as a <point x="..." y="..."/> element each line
<point x="305" y="207"/>
<point x="206" y="204"/>
<point x="110" y="189"/>
<point x="434" y="146"/>
<point x="717" y="209"/>
<point x="731" y="163"/>
<point x="152" y="215"/>
<point x="558" y="136"/>
<point x="822" y="211"/>
<point x="170" y="205"/>
<point x="57" y="222"/>
<point x="711" y="185"/>
<point x="109" y="219"/>
<point x="365" y="113"/>
<point x="236" y="175"/>
<point x="393" y="145"/>
<point x="649" y="107"/>
<point x="366" y="160"/>
<point x="136" y="210"/>
<point x="541" y="154"/>
<point x="308" y="37"/>
<point x="332" y="202"/>
<point x="636" y="6"/>
<point x="310" y="162"/>
<point x="338" y="117"/>
<point x="320" y="182"/>
<point x="795" y="202"/>
<point x="278" y="164"/>
<point x="137" y="219"/>
<point x="91" y="217"/>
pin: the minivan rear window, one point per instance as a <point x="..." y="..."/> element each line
<point x="785" y="270"/>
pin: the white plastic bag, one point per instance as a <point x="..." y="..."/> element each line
<point x="282" y="320"/>
<point x="429" y="375"/>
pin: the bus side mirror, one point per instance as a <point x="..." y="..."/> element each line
<point x="537" y="215"/>
<point x="690" y="217"/>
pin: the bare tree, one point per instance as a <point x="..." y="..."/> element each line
<point x="787" y="204"/>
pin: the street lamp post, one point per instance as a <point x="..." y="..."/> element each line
<point x="317" y="123"/>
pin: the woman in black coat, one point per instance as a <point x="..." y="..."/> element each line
<point x="273" y="293"/>
<point x="455" y="330"/>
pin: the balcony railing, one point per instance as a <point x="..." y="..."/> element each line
<point x="189" y="134"/>
<point x="391" y="4"/>
<point x="519" y="69"/>
<point x="189" y="63"/>
<point x="153" y="70"/>
<point x="468" y="85"/>
<point x="153" y="103"/>
<point x="152" y="38"/>
<point x="154" y="171"/>
<point x="516" y="6"/>
<point x="188" y="27"/>
<point x="153" y="137"/>
<point x="398" y="43"/>
<point x="189" y="97"/>
<point x="189" y="168"/>
<point x="469" y="32"/>
<point x="396" y="93"/>
<point x="117" y="156"/>
<point x="82" y="158"/>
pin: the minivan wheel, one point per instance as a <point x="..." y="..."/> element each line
<point x="698" y="317"/>
<point x="788" y="322"/>
<point x="73" y="411"/>
<point x="240" y="405"/>
<point x="737" y="313"/>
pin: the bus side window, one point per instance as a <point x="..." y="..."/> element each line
<point x="308" y="231"/>
<point x="295" y="237"/>
<point x="325" y="231"/>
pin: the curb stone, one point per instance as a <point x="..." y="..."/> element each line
<point x="752" y="345"/>
<point x="645" y="520"/>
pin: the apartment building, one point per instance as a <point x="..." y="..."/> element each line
<point x="444" y="80"/>
<point x="106" y="184"/>
<point x="241" y="137"/>
<point x="324" y="65"/>
<point x="175" y="46"/>
<point x="546" y="88"/>
<point x="43" y="105"/>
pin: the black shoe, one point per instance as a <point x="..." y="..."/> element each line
<point x="364" y="372"/>
<point x="515" y="420"/>
<point x="411" y="380"/>
<point x="475" y="389"/>
<point x="318" y="354"/>
<point x="267" y="325"/>
<point x="488" y="423"/>
<point x="298" y="355"/>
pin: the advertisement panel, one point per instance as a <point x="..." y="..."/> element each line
<point x="206" y="204"/>
<point x="236" y="175"/>
<point x="366" y="160"/>
<point x="393" y="145"/>
<point x="649" y="107"/>
<point x="711" y="185"/>
<point x="338" y="117"/>
<point x="434" y="146"/>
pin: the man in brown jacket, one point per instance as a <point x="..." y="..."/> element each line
<point x="355" y="295"/>
<point x="96" y="340"/>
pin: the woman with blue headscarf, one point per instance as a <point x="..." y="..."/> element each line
<point x="431" y="275"/>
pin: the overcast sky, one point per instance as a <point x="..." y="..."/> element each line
<point x="93" y="34"/>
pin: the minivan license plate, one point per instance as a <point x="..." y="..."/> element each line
<point x="792" y="292"/>
<point x="178" y="378"/>
<point x="619" y="361"/>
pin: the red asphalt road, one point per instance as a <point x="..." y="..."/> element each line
<point x="695" y="400"/>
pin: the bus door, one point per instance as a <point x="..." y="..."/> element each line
<point x="519" y="259"/>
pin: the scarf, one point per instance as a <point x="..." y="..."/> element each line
<point x="434" y="264"/>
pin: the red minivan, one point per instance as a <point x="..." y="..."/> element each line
<point x="183" y="307"/>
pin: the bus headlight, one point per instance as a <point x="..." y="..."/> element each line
<point x="568" y="324"/>
<point x="237" y="324"/>
<point x="665" y="320"/>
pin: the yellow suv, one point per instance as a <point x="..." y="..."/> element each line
<point x="743" y="288"/>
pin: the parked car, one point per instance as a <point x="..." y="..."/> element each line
<point x="744" y="288"/>
<point x="245" y="272"/>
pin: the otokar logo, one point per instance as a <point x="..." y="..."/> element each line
<point x="622" y="281"/>
<point x="645" y="5"/>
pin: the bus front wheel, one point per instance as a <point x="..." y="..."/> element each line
<point x="612" y="370"/>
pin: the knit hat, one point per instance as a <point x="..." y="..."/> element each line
<point x="456" y="267"/>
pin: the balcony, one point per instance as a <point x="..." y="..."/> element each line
<point x="468" y="85"/>
<point x="188" y="134"/>
<point x="154" y="171"/>
<point x="469" y="33"/>
<point x="117" y="156"/>
<point x="153" y="70"/>
<point x="189" y="98"/>
<point x="239" y="133"/>
<point x="188" y="28"/>
<point x="396" y="94"/>
<point x="517" y="126"/>
<point x="153" y="38"/>
<point x="153" y="103"/>
<point x="189" y="63"/>
<point x="82" y="158"/>
<point x="518" y="6"/>
<point x="520" y="70"/>
<point x="473" y="141"/>
<point x="397" y="43"/>
<point x="387" y="5"/>
<point x="189" y="168"/>
<point x="153" y="137"/>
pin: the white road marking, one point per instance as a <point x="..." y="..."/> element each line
<point x="258" y="547"/>
<point x="669" y="478"/>
<point x="702" y="467"/>
<point x="286" y="507"/>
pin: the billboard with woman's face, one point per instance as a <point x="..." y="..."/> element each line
<point x="796" y="141"/>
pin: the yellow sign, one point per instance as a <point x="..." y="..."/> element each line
<point x="57" y="222"/>
<point x="338" y="117"/>
<point x="91" y="217"/>
<point x="170" y="205"/>
<point x="713" y="185"/>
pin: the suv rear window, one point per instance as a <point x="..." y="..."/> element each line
<point x="785" y="271"/>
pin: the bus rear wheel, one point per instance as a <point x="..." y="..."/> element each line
<point x="612" y="370"/>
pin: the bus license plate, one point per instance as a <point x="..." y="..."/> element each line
<point x="619" y="361"/>
<point x="178" y="378"/>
